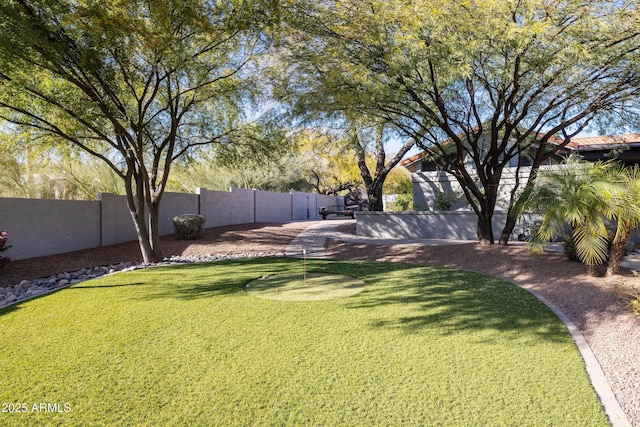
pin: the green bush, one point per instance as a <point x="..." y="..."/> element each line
<point x="445" y="201"/>
<point x="404" y="202"/>
<point x="188" y="226"/>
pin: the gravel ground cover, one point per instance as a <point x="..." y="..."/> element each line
<point x="591" y="303"/>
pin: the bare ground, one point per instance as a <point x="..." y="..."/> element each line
<point x="246" y="238"/>
<point x="591" y="303"/>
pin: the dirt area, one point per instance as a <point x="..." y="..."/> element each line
<point x="247" y="238"/>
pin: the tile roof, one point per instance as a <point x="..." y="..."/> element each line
<point x="589" y="143"/>
<point x="603" y="142"/>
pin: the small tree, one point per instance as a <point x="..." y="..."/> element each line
<point x="624" y="209"/>
<point x="583" y="195"/>
<point x="573" y="195"/>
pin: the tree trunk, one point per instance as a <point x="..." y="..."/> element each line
<point x="148" y="254"/>
<point x="485" y="231"/>
<point x="374" y="193"/>
<point x="509" y="225"/>
<point x="136" y="205"/>
<point x="154" y="230"/>
<point x="617" y="250"/>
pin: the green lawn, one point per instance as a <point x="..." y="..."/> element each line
<point x="188" y="346"/>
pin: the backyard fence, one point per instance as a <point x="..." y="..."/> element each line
<point x="39" y="227"/>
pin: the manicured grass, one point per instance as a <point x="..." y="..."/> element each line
<point x="188" y="346"/>
<point x="302" y="286"/>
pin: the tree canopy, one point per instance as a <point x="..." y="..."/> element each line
<point x="474" y="83"/>
<point x="136" y="84"/>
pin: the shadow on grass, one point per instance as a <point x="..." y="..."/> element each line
<point x="9" y="309"/>
<point x="457" y="301"/>
<point x="115" y="285"/>
<point x="403" y="296"/>
<point x="207" y="280"/>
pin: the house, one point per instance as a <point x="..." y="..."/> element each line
<point x="624" y="148"/>
<point x="434" y="189"/>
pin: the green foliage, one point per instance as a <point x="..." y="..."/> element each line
<point x="398" y="181"/>
<point x="188" y="226"/>
<point x="37" y="169"/>
<point x="135" y="84"/>
<point x="482" y="80"/>
<point x="444" y="200"/>
<point x="583" y="196"/>
<point x="185" y="345"/>
<point x="575" y="196"/>
<point x="404" y="202"/>
<point x="272" y="172"/>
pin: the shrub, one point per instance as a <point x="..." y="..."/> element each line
<point x="3" y="247"/>
<point x="404" y="202"/>
<point x="444" y="201"/>
<point x="188" y="226"/>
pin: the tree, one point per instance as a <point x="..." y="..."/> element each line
<point x="574" y="194"/>
<point x="43" y="169"/>
<point x="476" y="84"/>
<point x="272" y="172"/>
<point x="299" y="66"/>
<point x="375" y="177"/>
<point x="583" y="195"/>
<point x="136" y="84"/>
<point x="323" y="154"/>
<point x="624" y="209"/>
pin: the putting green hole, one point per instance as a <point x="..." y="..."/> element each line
<point x="295" y="287"/>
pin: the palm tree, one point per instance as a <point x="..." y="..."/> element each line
<point x="624" y="209"/>
<point x="576" y="194"/>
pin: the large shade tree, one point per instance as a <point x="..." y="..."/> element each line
<point x="137" y="84"/>
<point x="478" y="84"/>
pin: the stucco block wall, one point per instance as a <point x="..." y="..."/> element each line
<point x="221" y="208"/>
<point x="303" y="206"/>
<point x="117" y="225"/>
<point x="174" y="204"/>
<point x="46" y="227"/>
<point x="273" y="207"/>
<point x="458" y="225"/>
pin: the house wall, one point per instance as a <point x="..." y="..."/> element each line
<point x="427" y="184"/>
<point x="38" y="227"/>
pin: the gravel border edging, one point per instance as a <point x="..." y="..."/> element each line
<point x="612" y="408"/>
